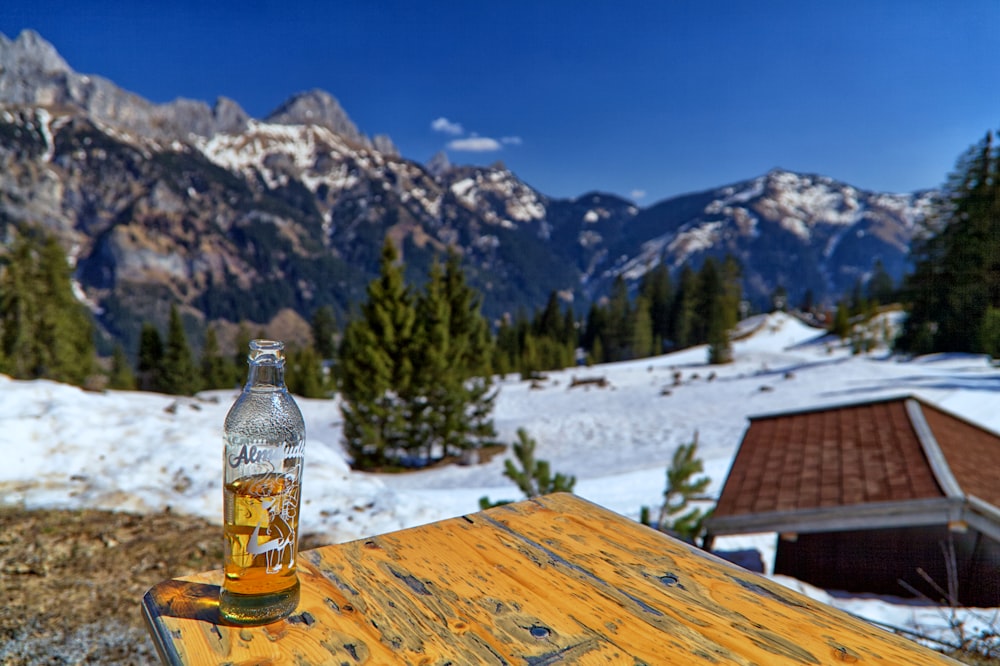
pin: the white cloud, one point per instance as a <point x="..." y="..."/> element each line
<point x="638" y="194"/>
<point x="444" y="125"/>
<point x="511" y="140"/>
<point x="475" y="144"/>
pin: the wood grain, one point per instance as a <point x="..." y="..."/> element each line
<point x="554" y="580"/>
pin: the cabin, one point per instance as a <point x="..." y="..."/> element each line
<point x="893" y="497"/>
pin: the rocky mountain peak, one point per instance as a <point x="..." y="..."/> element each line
<point x="439" y="164"/>
<point x="28" y="54"/>
<point x="316" y="107"/>
<point x="229" y="116"/>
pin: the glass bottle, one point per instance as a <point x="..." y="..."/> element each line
<point x="264" y="441"/>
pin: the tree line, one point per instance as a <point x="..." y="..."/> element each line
<point x="704" y="307"/>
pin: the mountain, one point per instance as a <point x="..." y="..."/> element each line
<point x="236" y="218"/>
<point x="798" y="231"/>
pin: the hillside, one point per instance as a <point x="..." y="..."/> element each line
<point x="154" y="455"/>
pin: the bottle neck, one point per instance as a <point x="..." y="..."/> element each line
<point x="267" y="365"/>
<point x="266" y="375"/>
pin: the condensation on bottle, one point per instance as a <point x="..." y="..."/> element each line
<point x="262" y="489"/>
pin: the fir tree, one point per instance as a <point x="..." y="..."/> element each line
<point x="241" y="350"/>
<point x="593" y="333"/>
<point x="44" y="330"/>
<point x="304" y="372"/>
<point x="534" y="477"/>
<point x="472" y="360"/>
<point x="719" y="302"/>
<point x="179" y="376"/>
<point x="989" y="332"/>
<point x="841" y="325"/>
<point x="121" y="376"/>
<point x="216" y="370"/>
<point x="618" y="331"/>
<point x="881" y="288"/>
<point x="376" y="368"/>
<point x="324" y="328"/>
<point x="641" y="343"/>
<point x="452" y="399"/>
<point x="681" y="488"/>
<point x="64" y="333"/>
<point x="150" y="359"/>
<point x="683" y="310"/>
<point x="19" y="311"/>
<point x="549" y="323"/>
<point x="507" y="348"/>
<point x="957" y="260"/>
<point x="657" y="289"/>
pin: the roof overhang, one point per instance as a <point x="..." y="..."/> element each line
<point x="950" y="511"/>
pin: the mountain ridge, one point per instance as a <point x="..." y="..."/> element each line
<point x="237" y="218"/>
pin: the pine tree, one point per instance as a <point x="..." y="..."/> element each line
<point x="881" y="288"/>
<point x="550" y="341"/>
<point x="718" y="299"/>
<point x="681" y="488"/>
<point x="120" y="377"/>
<point x="436" y="380"/>
<point x="304" y="372"/>
<point x="452" y="399"/>
<point x="683" y="310"/>
<point x="989" y="332"/>
<point x="179" y="375"/>
<point x="957" y="260"/>
<point x="549" y="322"/>
<point x="841" y="326"/>
<point x="594" y="333"/>
<point x="656" y="287"/>
<point x="641" y="344"/>
<point x="468" y="325"/>
<point x="376" y="368"/>
<point x="19" y="311"/>
<point x="507" y="348"/>
<point x="64" y="333"/>
<point x="44" y="330"/>
<point x="216" y="370"/>
<point x="618" y="332"/>
<point x="150" y="359"/>
<point x="241" y="348"/>
<point x="534" y="477"/>
<point x="324" y="328"/>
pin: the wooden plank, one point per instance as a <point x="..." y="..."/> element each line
<point x="547" y="581"/>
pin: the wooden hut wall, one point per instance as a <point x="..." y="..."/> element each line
<point x="875" y="561"/>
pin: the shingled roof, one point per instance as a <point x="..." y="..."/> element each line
<point x="887" y="463"/>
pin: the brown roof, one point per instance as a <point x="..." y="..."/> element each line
<point x="973" y="454"/>
<point x="890" y="451"/>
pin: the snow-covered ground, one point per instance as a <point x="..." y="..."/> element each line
<point x="63" y="447"/>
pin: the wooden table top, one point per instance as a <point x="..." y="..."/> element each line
<point x="552" y="580"/>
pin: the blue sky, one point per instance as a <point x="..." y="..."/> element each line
<point x="642" y="99"/>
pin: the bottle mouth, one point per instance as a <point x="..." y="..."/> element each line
<point x="267" y="350"/>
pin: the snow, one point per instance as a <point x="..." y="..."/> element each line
<point x="301" y="144"/>
<point x="45" y="127"/>
<point x="65" y="447"/>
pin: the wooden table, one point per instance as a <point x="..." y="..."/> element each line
<point x="554" y="580"/>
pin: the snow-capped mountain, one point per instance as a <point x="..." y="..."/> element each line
<point x="801" y="232"/>
<point x="237" y="218"/>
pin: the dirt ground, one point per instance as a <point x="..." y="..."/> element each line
<point x="71" y="582"/>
